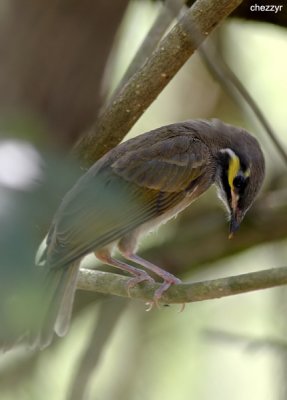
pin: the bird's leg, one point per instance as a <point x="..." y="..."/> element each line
<point x="139" y="275"/>
<point x="168" y="278"/>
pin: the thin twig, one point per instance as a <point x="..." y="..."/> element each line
<point x="169" y="10"/>
<point x="113" y="284"/>
<point x="220" y="69"/>
<point x="104" y="326"/>
<point x="250" y="343"/>
<point x="143" y="88"/>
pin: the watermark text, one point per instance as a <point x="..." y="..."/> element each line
<point x="268" y="8"/>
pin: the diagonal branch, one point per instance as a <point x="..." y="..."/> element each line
<point x="143" y="88"/>
<point x="104" y="326"/>
<point x="187" y="292"/>
<point x="169" y="10"/>
<point x="230" y="82"/>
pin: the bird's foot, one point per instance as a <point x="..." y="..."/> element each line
<point x="169" y="280"/>
<point x="141" y="276"/>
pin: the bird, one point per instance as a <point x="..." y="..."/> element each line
<point x="133" y="189"/>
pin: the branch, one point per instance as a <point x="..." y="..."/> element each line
<point x="169" y="10"/>
<point x="113" y="284"/>
<point x="143" y="88"/>
<point x="224" y="74"/>
<point x="104" y="326"/>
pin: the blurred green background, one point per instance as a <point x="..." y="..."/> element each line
<point x="51" y="87"/>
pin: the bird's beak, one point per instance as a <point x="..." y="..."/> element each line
<point x="236" y="215"/>
<point x="236" y="218"/>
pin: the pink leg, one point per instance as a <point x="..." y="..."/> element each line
<point x="139" y="274"/>
<point x="168" y="279"/>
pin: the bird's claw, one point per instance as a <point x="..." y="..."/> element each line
<point x="149" y="305"/>
<point x="141" y="277"/>
<point x="168" y="281"/>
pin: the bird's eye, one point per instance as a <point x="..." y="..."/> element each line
<point x="239" y="182"/>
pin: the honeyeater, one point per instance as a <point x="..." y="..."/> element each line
<point x="138" y="185"/>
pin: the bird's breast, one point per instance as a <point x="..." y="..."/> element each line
<point x="156" y="222"/>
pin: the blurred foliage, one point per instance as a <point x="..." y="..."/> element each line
<point x="30" y="195"/>
<point x="162" y="353"/>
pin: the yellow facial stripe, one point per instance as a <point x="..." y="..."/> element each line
<point x="233" y="169"/>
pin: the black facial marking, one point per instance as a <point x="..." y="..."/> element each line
<point x="225" y="184"/>
<point x="240" y="182"/>
<point x="224" y="163"/>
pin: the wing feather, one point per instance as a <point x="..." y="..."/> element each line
<point x="135" y="187"/>
<point x="167" y="166"/>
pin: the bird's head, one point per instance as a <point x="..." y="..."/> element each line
<point x="241" y="173"/>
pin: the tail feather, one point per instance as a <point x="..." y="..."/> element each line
<point x="62" y="323"/>
<point x="32" y="316"/>
<point x="58" y="294"/>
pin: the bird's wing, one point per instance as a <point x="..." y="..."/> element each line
<point x="167" y="166"/>
<point x="137" y="187"/>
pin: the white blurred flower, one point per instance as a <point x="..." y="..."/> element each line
<point x="20" y="164"/>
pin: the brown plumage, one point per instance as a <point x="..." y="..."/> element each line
<point x="134" y="188"/>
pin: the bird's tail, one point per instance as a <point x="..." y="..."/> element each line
<point x="58" y="296"/>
